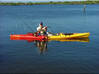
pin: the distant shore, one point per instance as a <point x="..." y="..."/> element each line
<point x="51" y="2"/>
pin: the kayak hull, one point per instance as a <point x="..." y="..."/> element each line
<point x="71" y="40"/>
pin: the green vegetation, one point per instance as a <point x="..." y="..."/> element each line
<point x="51" y="2"/>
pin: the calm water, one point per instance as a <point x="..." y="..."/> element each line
<point x="59" y="57"/>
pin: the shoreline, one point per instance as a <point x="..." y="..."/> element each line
<point x="51" y="2"/>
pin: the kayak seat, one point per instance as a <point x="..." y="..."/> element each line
<point x="68" y="33"/>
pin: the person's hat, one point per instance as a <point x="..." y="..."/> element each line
<point x="41" y="23"/>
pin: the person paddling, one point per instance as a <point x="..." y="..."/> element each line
<point x="42" y="30"/>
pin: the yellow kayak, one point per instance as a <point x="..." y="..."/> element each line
<point x="69" y="36"/>
<point x="71" y="40"/>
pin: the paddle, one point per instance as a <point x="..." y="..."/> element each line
<point x="29" y="26"/>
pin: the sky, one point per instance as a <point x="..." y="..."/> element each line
<point x="34" y="0"/>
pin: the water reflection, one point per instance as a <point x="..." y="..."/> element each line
<point x="42" y="45"/>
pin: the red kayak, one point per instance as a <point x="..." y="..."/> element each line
<point x="29" y="36"/>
